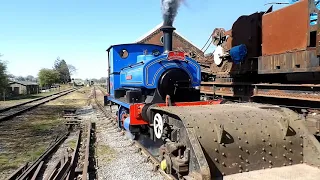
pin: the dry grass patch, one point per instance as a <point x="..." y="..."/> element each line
<point x="105" y="153"/>
<point x="25" y="138"/>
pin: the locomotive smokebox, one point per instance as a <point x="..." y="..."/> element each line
<point x="167" y="37"/>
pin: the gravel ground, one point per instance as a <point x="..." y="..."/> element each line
<point x="117" y="157"/>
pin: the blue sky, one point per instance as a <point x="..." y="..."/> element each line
<point x="33" y="33"/>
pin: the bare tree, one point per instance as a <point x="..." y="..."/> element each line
<point x="72" y="69"/>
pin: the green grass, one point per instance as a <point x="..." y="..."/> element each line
<point x="105" y="153"/>
<point x="14" y="161"/>
<point x="44" y="125"/>
<point x="72" y="143"/>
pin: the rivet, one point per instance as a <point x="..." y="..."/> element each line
<point x="263" y="140"/>
<point x="198" y="127"/>
<point x="214" y="140"/>
<point x="290" y="159"/>
<point x="216" y="149"/>
<point x="284" y="164"/>
<point x="301" y="136"/>
<point x="263" y="149"/>
<point x="284" y="155"/>
<point x="241" y="123"/>
<point x="263" y="158"/>
<point x="247" y="141"/>
<point x="269" y="135"/>
<point x="270" y="166"/>
<point x="240" y="156"/>
<point x="239" y="138"/>
<point x="270" y="153"/>
<point x="247" y="160"/>
<point x="223" y="163"/>
<point x="270" y="162"/>
<point x="199" y="136"/>
<point x="301" y="153"/>
<point x="290" y="150"/>
<point x="247" y="151"/>
<point x="215" y="159"/>
<point x="301" y="145"/>
<point x="263" y="167"/>
<point x="223" y="173"/>
<point x="240" y="166"/>
<point x="301" y="162"/>
<point x="240" y="147"/>
<point x="222" y="144"/>
<point x="290" y="142"/>
<point x="236" y="128"/>
<point x="269" y="144"/>
<point x="284" y="146"/>
<point x="222" y="154"/>
<point x="240" y="171"/>
<point x="212" y="130"/>
<point x="247" y="170"/>
<point x="245" y="132"/>
<point x="290" y="163"/>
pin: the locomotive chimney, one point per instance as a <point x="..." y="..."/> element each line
<point x="167" y="37"/>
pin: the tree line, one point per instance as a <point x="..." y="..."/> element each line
<point x="3" y="75"/>
<point x="60" y="73"/>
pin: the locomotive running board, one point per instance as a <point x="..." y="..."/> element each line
<point x="227" y="139"/>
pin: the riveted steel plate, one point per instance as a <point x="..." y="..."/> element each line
<point x="244" y="137"/>
<point x="285" y="30"/>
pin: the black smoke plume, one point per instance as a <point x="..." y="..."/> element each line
<point x="169" y="11"/>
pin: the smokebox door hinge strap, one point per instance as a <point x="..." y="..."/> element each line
<point x="220" y="131"/>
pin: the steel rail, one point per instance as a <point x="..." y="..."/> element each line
<point x="31" y="169"/>
<point x="153" y="159"/>
<point x="5" y="115"/>
<point x="31" y="101"/>
<point x="87" y="153"/>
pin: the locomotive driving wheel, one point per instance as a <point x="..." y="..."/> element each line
<point x="158" y="125"/>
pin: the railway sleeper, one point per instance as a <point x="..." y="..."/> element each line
<point x="204" y="142"/>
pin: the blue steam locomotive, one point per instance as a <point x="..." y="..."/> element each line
<point x="144" y="75"/>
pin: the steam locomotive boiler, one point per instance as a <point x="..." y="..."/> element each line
<point x="149" y="74"/>
<point x="157" y="95"/>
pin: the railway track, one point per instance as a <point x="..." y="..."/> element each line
<point x="143" y="151"/>
<point x="73" y="164"/>
<point x="12" y="111"/>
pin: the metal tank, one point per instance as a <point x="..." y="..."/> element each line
<point x="205" y="142"/>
